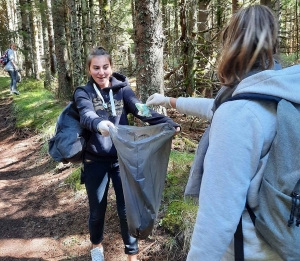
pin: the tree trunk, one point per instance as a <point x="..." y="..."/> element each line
<point x="104" y="37"/>
<point x="75" y="46"/>
<point x="93" y="21"/>
<point x="149" y="48"/>
<point x="188" y="33"/>
<point x="35" y="43"/>
<point x="85" y="29"/>
<point x="234" y="6"/>
<point x="24" y="11"/>
<point x="204" y="51"/>
<point x="64" y="80"/>
<point x="47" y="65"/>
<point x="51" y="38"/>
<point x="267" y="3"/>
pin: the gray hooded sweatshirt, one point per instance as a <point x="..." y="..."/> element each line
<point x="239" y="140"/>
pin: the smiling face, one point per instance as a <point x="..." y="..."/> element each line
<point x="100" y="69"/>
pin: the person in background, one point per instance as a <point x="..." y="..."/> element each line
<point x="105" y="102"/>
<point x="240" y="136"/>
<point x="12" y="68"/>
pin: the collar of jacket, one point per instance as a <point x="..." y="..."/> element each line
<point x="117" y="80"/>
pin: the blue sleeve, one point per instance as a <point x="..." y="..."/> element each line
<point x="89" y="119"/>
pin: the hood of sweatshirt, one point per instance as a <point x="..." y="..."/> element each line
<point x="282" y="83"/>
<point x="117" y="81"/>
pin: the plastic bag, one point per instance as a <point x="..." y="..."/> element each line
<point x="143" y="154"/>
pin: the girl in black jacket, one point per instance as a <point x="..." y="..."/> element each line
<point x="105" y="101"/>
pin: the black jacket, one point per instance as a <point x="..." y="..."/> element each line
<point x="92" y="110"/>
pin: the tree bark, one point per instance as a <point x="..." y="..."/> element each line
<point x="27" y="50"/>
<point x="53" y="63"/>
<point x="75" y="46"/>
<point x="35" y="44"/>
<point x="64" y="80"/>
<point x="149" y="48"/>
<point x="47" y="59"/>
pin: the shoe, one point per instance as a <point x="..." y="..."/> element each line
<point x="16" y="92"/>
<point x="11" y="92"/>
<point x="97" y="254"/>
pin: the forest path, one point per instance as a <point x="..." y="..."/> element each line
<point x="40" y="217"/>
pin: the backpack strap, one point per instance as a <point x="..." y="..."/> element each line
<point x="251" y="213"/>
<point x="255" y="96"/>
<point x="239" y="242"/>
<point x="238" y="235"/>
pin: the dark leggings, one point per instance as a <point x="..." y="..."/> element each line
<point x="97" y="176"/>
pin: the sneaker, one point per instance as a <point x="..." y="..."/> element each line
<point x="97" y="254"/>
<point x="16" y="92"/>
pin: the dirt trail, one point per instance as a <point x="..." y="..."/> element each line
<point x="40" y="217"/>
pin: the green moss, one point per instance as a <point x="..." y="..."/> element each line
<point x="179" y="216"/>
<point x="73" y="180"/>
<point x="175" y="207"/>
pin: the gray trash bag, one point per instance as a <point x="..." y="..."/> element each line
<point x="143" y="154"/>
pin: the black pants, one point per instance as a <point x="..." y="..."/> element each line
<point x="97" y="176"/>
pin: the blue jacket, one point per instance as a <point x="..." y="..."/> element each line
<point x="92" y="111"/>
<point x="12" y="57"/>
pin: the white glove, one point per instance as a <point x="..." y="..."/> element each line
<point x="158" y="99"/>
<point x="103" y="127"/>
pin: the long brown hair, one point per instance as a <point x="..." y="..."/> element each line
<point x="249" y="41"/>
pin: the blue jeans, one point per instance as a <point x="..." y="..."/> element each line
<point x="97" y="176"/>
<point x="13" y="80"/>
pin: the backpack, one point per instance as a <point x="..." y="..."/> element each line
<point x="278" y="216"/>
<point x="69" y="140"/>
<point x="4" y="58"/>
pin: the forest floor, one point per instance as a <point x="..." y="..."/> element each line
<point x="42" y="218"/>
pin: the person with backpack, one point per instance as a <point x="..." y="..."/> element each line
<point x="104" y="103"/>
<point x="12" y="68"/>
<point x="232" y="155"/>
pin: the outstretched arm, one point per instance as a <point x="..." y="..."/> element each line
<point x="200" y="107"/>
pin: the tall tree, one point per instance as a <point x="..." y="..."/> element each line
<point x="204" y="51"/>
<point x="93" y="20"/>
<point x="75" y="45"/>
<point x="51" y="37"/>
<point x="149" y="48"/>
<point x="267" y="3"/>
<point x="47" y="58"/>
<point x="105" y="30"/>
<point x="25" y="32"/>
<point x="86" y="32"/>
<point x="234" y="6"/>
<point x="36" y="61"/>
<point x="65" y="89"/>
<point x="4" y="28"/>
<point x="188" y="33"/>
